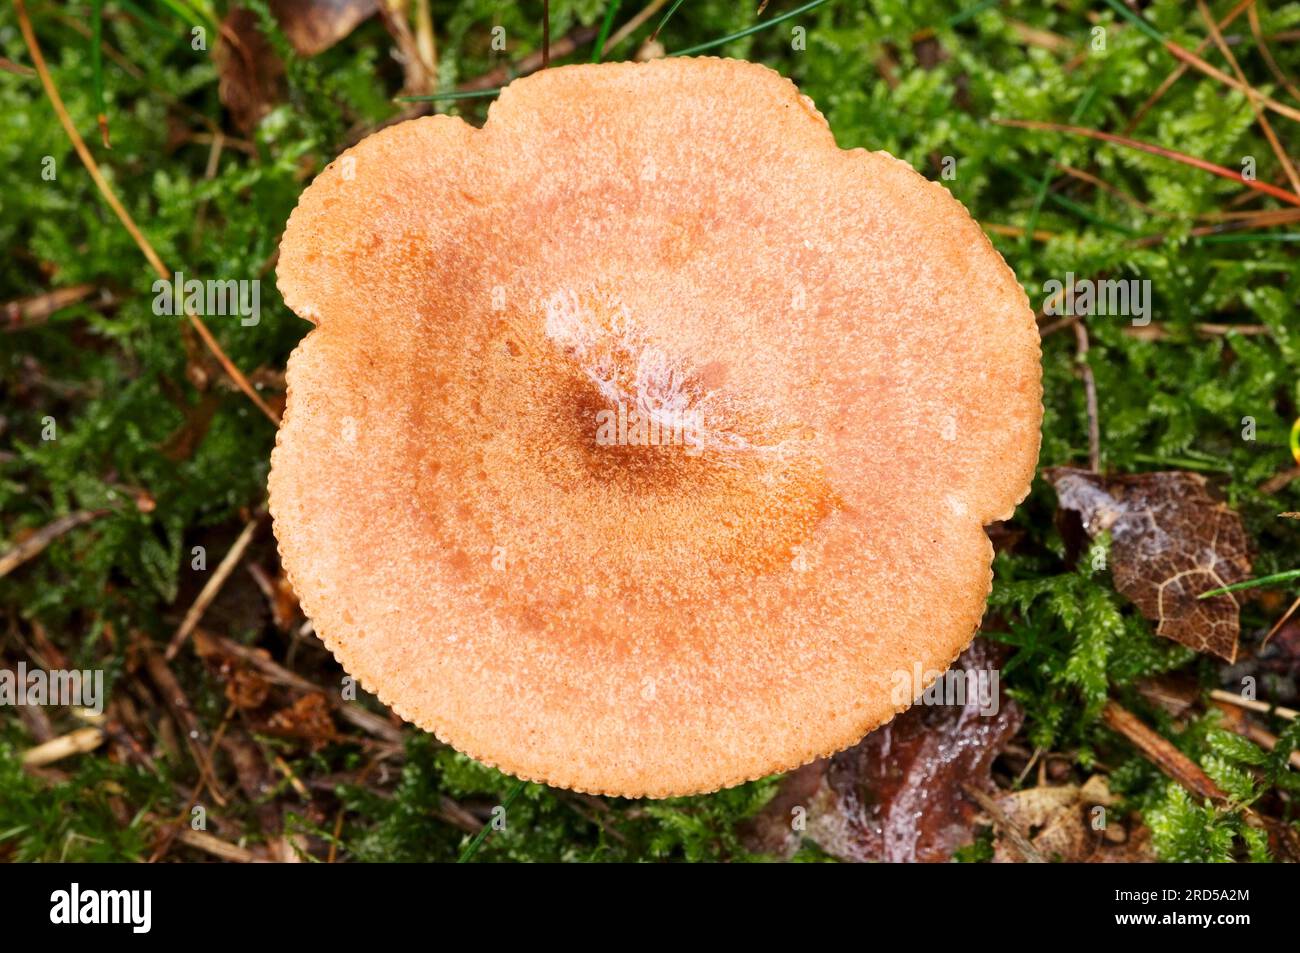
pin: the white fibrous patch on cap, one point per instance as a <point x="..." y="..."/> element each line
<point x="597" y="331"/>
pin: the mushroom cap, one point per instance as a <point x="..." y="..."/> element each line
<point x="853" y="368"/>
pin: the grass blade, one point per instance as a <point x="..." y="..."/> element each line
<point x="472" y="847"/>
<point x="749" y="31"/>
<point x="438" y="97"/>
<point x="1253" y="583"/>
<point x="1265" y="187"/>
<point x="611" y="11"/>
<point x="664" y="22"/>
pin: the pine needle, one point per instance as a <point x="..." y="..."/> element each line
<point x="1161" y="151"/>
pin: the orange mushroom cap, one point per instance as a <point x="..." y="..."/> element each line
<point x="847" y="370"/>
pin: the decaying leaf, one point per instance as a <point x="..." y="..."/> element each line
<point x="313" y="26"/>
<point x="1171" y="540"/>
<point x="246" y="689"/>
<point x="1071" y="823"/>
<point x="307" y="719"/>
<point x="897" y="795"/>
<point x="250" y="74"/>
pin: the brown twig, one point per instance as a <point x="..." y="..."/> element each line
<point x="1156" y="332"/>
<point x="368" y="721"/>
<point x="417" y="79"/>
<point x="1161" y="151"/>
<point x="1267" y="54"/>
<point x="35" y="544"/>
<point x="1275" y="484"/>
<point x="546" y="33"/>
<point x="1181" y="69"/>
<point x="18" y="69"/>
<point x="1272" y="631"/>
<point x="211" y="588"/>
<point x="1187" y="56"/>
<point x="1264" y="708"/>
<point x="1102" y="184"/>
<point x="1252" y="97"/>
<point x="222" y="850"/>
<point x="426" y="43"/>
<point x="26" y="312"/>
<point x="632" y="25"/>
<point x="1187" y="773"/>
<point x="182" y="712"/>
<point x="1162" y="753"/>
<point x="578" y="36"/>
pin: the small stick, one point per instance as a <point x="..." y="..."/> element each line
<point x="210" y="844"/>
<point x="1252" y="96"/>
<point x="1253" y="16"/>
<point x="1187" y="56"/>
<point x="1162" y="753"/>
<point x="18" y="69"/>
<point x="1275" y="483"/>
<point x="1181" y="69"/>
<point x="632" y="25"/>
<point x="352" y="712"/>
<point x="79" y="741"/>
<point x="530" y="63"/>
<point x="425" y="42"/>
<point x="1248" y="728"/>
<point x="182" y="713"/>
<point x="1281" y="622"/>
<point x="27" y="311"/>
<point x="1184" y="158"/>
<point x="209" y="591"/>
<point x="33" y="545"/>
<point x="1250" y="704"/>
<point x="1186" y="772"/>
<point x="1155" y="332"/>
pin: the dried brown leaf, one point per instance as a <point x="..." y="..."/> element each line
<point x="307" y="719"/>
<point x="249" y="74"/>
<point x="313" y="26"/>
<point x="246" y="689"/>
<point x="897" y="795"/>
<point x="1063" y="823"/>
<point x="1172" y="538"/>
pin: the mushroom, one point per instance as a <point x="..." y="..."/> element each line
<point x="645" y="436"/>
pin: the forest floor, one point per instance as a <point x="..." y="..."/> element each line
<point x="1088" y="139"/>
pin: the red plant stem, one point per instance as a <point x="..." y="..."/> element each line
<point x="1265" y="187"/>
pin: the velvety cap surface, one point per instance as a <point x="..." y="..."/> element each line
<point x="646" y="438"/>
